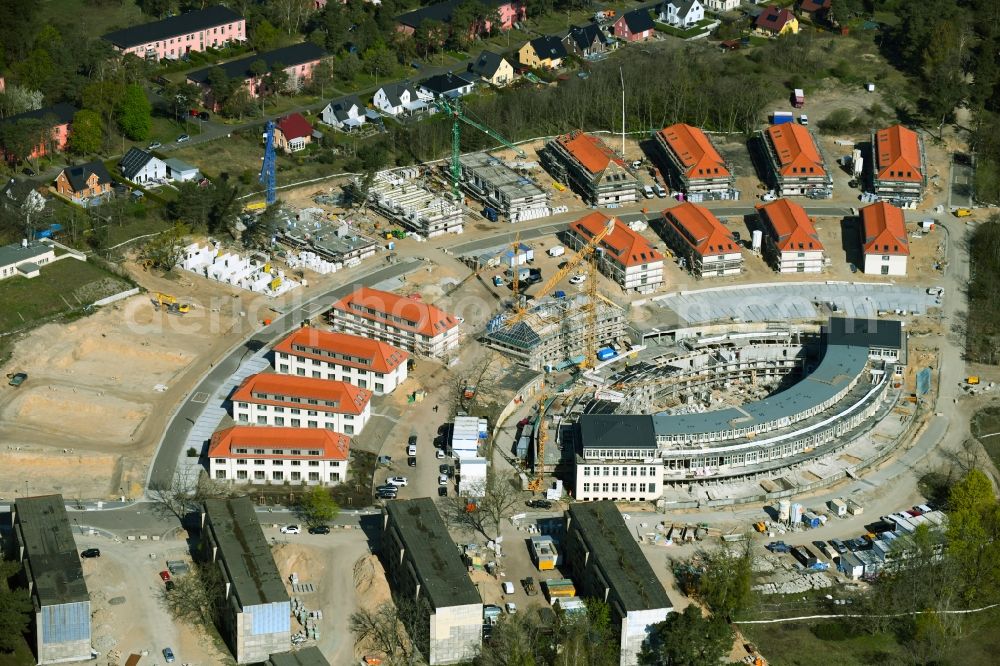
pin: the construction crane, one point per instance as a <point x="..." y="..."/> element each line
<point x="542" y="434"/>
<point x="590" y="330"/>
<point x="477" y="273"/>
<point x="169" y="304"/>
<point x="453" y="107"/>
<point x="267" y="169"/>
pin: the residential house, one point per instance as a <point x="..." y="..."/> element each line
<point x="450" y="85"/>
<point x="362" y="361"/>
<point x="292" y="133"/>
<point x="681" y="13"/>
<point x="883" y="239"/>
<point x="346" y="113"/>
<point x="493" y="68"/>
<point x="508" y="11"/>
<point x="180" y="170"/>
<point x="774" y="22"/>
<point x="898" y="170"/>
<point x="297" y="60"/>
<point x="722" y="5"/>
<point x="25" y="259"/>
<point x="545" y="52"/>
<point x="587" y="41"/>
<point x="59" y="116"/>
<point x="400" y="99"/>
<point x="266" y="455"/>
<point x="405" y="323"/>
<point x="818" y="10"/>
<point x="697" y="236"/>
<point x="22" y="196"/>
<point x="693" y="164"/>
<point x="794" y="163"/>
<point x="301" y="402"/>
<point x="591" y="168"/>
<point x="634" y="26"/>
<point x="624" y="256"/>
<point x="791" y="244"/>
<point x="85" y="181"/>
<point x="141" y="167"/>
<point x="176" y="36"/>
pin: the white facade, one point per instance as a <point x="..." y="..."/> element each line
<point x="13" y="256"/>
<point x="639" y="480"/>
<point x="714" y="265"/>
<point x="153" y="170"/>
<point x="350" y="117"/>
<point x="295" y="470"/>
<point x="403" y="101"/>
<point x="254" y="413"/>
<point x="795" y="261"/>
<point x="671" y="13"/>
<point x="455" y="633"/>
<point x="643" y="278"/>
<point x="635" y="630"/>
<point x="722" y="5"/>
<point x="472" y="476"/>
<point x="436" y="346"/>
<point x="885" y="264"/>
<point x="305" y="366"/>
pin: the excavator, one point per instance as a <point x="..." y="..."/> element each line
<point x="167" y="303"/>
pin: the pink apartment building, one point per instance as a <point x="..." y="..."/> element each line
<point x="61" y="118"/>
<point x="173" y="37"/>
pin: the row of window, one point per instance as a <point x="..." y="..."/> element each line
<point x="614" y="487"/>
<point x="628" y="454"/>
<point x="316" y="374"/>
<point x="626" y="470"/>
<point x="259" y="475"/>
<point x="279" y="422"/>
<point x="357" y="307"/>
<point x="278" y="463"/>
<point x="315" y="351"/>
<point x="280" y="452"/>
<point x="295" y="399"/>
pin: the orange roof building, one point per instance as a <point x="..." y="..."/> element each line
<point x="695" y="167"/>
<point x="404" y="322"/>
<point x="626" y="256"/>
<point x="900" y="174"/>
<point x="795" y="164"/>
<point x="251" y="454"/>
<point x="301" y="402"/>
<point x="591" y="168"/>
<point x="705" y="245"/>
<point x="791" y="243"/>
<point x="883" y="239"/>
<point x="364" y="362"/>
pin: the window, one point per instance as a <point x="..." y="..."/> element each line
<point x="312" y="424"/>
<point x="614" y="487"/>
<point x="220" y="473"/>
<point x="586" y="471"/>
<point x="242" y="405"/>
<point x="348" y="430"/>
<point x="277" y="475"/>
<point x="604" y="487"/>
<point x="314" y="476"/>
<point x="296" y="423"/>
<point x="335" y="476"/>
<point x="259" y="452"/>
<point x="258" y="475"/>
<point x="258" y="463"/>
<point x="631" y="487"/>
<point x="635" y="471"/>
<point x="279" y="410"/>
<point x="314" y="463"/>
<point x="241" y="474"/>
<point x="301" y="372"/>
<point x="245" y="418"/>
<point x="614" y="471"/>
<point x="241" y="462"/>
<point x="279" y="420"/>
<point x="296" y="411"/>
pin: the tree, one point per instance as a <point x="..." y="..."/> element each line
<point x="15" y="609"/>
<point x="20" y="138"/>
<point x="135" y="117"/>
<point x="167" y="249"/>
<point x="265" y="36"/>
<point x="239" y="104"/>
<point x="316" y="507"/>
<point x="177" y="498"/>
<point x="381" y="630"/>
<point x="322" y="78"/>
<point x="195" y="597"/>
<point x="496" y="500"/>
<point x="687" y="639"/>
<point x="725" y="585"/>
<point x="17" y="99"/>
<point x="183" y="95"/>
<point x="974" y="535"/>
<point x="88" y="133"/>
<point x="347" y="67"/>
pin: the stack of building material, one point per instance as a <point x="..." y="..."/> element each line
<point x="313" y="262"/>
<point x="253" y="274"/>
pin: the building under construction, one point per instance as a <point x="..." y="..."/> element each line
<point x="515" y="197"/>
<point x="401" y="197"/>
<point x="553" y="334"/>
<point x="591" y="168"/>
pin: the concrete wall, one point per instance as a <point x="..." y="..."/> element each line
<point x="635" y="629"/>
<point x="257" y="640"/>
<point x="456" y="633"/>
<point x="63" y="632"/>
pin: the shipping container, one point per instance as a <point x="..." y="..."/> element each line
<point x="838" y="507"/>
<point x="804" y="556"/>
<point x="798" y="98"/>
<point x="782" y="117"/>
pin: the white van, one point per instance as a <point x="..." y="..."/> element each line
<point x="647" y="192"/>
<point x="556" y="251"/>
<point x="508" y="587"/>
<point x="411" y="450"/>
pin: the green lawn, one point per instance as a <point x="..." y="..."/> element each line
<point x="22" y="656"/>
<point x="66" y="286"/>
<point x="987" y="422"/>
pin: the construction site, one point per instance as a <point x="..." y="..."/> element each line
<point x="502" y="190"/>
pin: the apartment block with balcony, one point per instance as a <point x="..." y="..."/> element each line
<point x="791" y="244"/>
<point x="364" y="362"/>
<point x="262" y="454"/>
<point x="591" y="168"/>
<point x="898" y="165"/>
<point x="883" y="240"/>
<point x="176" y="36"/>
<point x="693" y="164"/>
<point x="624" y="255"/>
<point x="696" y="236"/>
<point x="794" y="163"/>
<point x="301" y="402"/>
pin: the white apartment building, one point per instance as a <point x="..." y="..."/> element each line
<point x="301" y="402"/>
<point x="883" y="240"/>
<point x="706" y="246"/>
<point x="260" y="454"/>
<point x="791" y="244"/>
<point x="625" y="255"/>
<point x="407" y="323"/>
<point x="366" y="363"/>
<point x="618" y="459"/>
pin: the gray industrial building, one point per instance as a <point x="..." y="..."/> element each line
<point x="256" y="617"/>
<point x="497" y="186"/>
<point x="602" y="556"/>
<point x="59" y="594"/>
<point x="424" y="566"/>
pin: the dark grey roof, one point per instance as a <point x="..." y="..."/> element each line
<point x="16" y="191"/>
<point x="310" y="656"/>
<point x="172" y="27"/>
<point x="883" y="333"/>
<point x="245" y="551"/>
<point x="638" y="20"/>
<point x="11" y="254"/>
<point x="585" y="36"/>
<point x="394" y="90"/>
<point x="134" y="161"/>
<point x="614" y="551"/>
<point x="28" y="267"/>
<point x="289" y="56"/>
<point x="45" y="534"/>
<point x="341" y="106"/>
<point x="441" y="12"/>
<point x="684" y="8"/>
<point x="436" y="559"/>
<point x="79" y="174"/>
<point x="616" y="431"/>
<point x="179" y="165"/>
<point x="61" y="112"/>
<point x="442" y="84"/>
<point x="548" y="47"/>
<point x="486" y="64"/>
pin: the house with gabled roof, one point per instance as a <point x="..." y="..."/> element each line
<point x="84" y="181"/>
<point x="586" y="41"/>
<point x="775" y="21"/>
<point x="591" y="168"/>
<point x="634" y="26"/>
<point x="694" y="166"/>
<point x="449" y="84"/>
<point x="176" y="36"/>
<point x="791" y="244"/>
<point x="794" y="163"/>
<point x="401" y="98"/>
<point x="346" y="113"/>
<point x="883" y="239"/>
<point x="140" y="166"/>
<point x="625" y="255"/>
<point x="545" y="52"/>
<point x="817" y="9"/>
<point x="493" y="68"/>
<point x="898" y="165"/>
<point x="697" y="236"/>
<point x="292" y="133"/>
<point x="300" y="456"/>
<point x="681" y="13"/>
<point x="301" y="402"/>
<point x="508" y="11"/>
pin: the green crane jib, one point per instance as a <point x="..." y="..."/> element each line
<point x="453" y="107"/>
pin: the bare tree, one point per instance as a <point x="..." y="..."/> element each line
<point x="496" y="500"/>
<point x="195" y="597"/>
<point x="481" y="377"/>
<point x="178" y="497"/>
<point x="381" y="630"/>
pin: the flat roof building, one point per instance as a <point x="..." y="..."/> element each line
<point x="624" y="255"/>
<point x="24" y="259"/>
<point x="403" y="199"/>
<point x="791" y="244"/>
<point x="605" y="562"/>
<point x="312" y="456"/>
<point x="515" y="197"/>
<point x="898" y="165"/>
<point x="617" y="458"/>
<point x="883" y="239"/>
<point x="59" y="594"/>
<point x="301" y="402"/>
<point x="310" y="656"/>
<point x="591" y="168"/>
<point x="794" y="162"/>
<point x="256" y="612"/>
<point x="697" y="236"/>
<point x="424" y="566"/>
<point x="694" y="166"/>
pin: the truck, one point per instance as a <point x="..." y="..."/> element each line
<point x="798" y="98"/>
<point x="605" y="353"/>
<point x="529" y="586"/>
<point x="778" y="547"/>
<point x="490" y="214"/>
<point x="804" y="556"/>
<point x="782" y="117"/>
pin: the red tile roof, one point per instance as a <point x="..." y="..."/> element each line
<point x="629" y="247"/>
<point x="796" y="151"/>
<point x="346" y="398"/>
<point x="791" y="226"/>
<point x="694" y="151"/>
<point x="407" y="314"/>
<point x="381" y="357"/>
<point x="701" y="229"/>
<point x="294" y="126"/>
<point x="590" y="151"/>
<point x="884" y="230"/>
<point x="773" y="19"/>
<point x="811" y="6"/>
<point x="898" y="152"/>
<point x="332" y="445"/>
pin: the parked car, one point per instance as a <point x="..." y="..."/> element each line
<point x="412" y="461"/>
<point x="396" y="481"/>
<point x="183" y="137"/>
<point x="511" y="607"/>
<point x="170" y="586"/>
<point x="539" y="504"/>
<point x="91" y="552"/>
<point x="291" y="529"/>
<point x="439" y="454"/>
<point x="778" y="547"/>
<point x="578" y="279"/>
<point x="442" y="479"/>
<point x="154" y="145"/>
<point x="769" y="196"/>
<point x="838" y="546"/>
<point x="164" y="575"/>
<point x="660" y="192"/>
<point x="442" y="491"/>
<point x="412" y="441"/>
<point x="319" y="529"/>
<point x="204" y="115"/>
<point x="28" y="171"/>
<point x="388" y="494"/>
<point x="385" y="460"/>
<point x="168" y="655"/>
<point x="17" y="378"/>
<point x="647" y="192"/>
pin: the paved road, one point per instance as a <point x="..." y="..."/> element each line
<point x="161" y="472"/>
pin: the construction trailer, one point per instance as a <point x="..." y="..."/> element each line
<point x="838" y="507"/>
<point x="465" y="437"/>
<point x="544" y="552"/>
